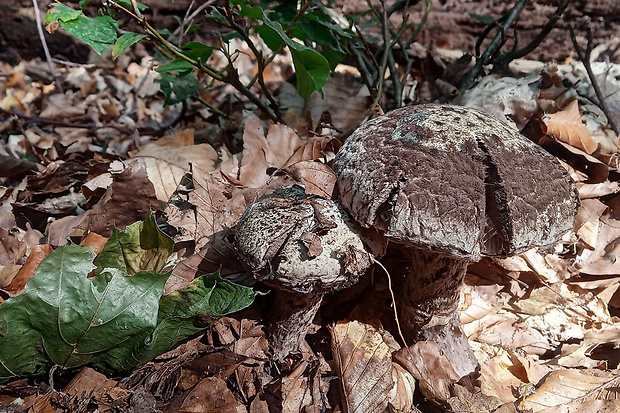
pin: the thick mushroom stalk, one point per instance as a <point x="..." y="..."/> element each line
<point x="303" y="247"/>
<point x="448" y="185"/>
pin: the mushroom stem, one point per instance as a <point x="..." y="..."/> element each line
<point x="289" y="318"/>
<point x="428" y="309"/>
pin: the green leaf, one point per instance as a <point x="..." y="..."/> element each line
<point x="124" y="42"/>
<point x="252" y="12"/>
<point x="73" y="317"/>
<point x="62" y="13"/>
<point x="333" y="55"/>
<point x="127" y="4"/>
<point x="176" y="66"/>
<point x="208" y="294"/>
<point x="177" y="88"/>
<point x="197" y="50"/>
<point x="483" y="18"/>
<point x="113" y="321"/>
<point x="141" y="247"/>
<point x="99" y="32"/>
<point x="311" y="68"/>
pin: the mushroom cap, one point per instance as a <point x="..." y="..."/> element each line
<point x="455" y="180"/>
<point x="300" y="243"/>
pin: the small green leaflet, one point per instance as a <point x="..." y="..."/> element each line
<point x="115" y="321"/>
<point x="125" y="41"/>
<point x="177" y="88"/>
<point x="483" y="18"/>
<point x="311" y="68"/>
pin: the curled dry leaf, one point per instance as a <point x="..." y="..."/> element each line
<point x="318" y="178"/>
<point x="314" y="148"/>
<point x="364" y="366"/>
<point x="567" y="126"/>
<point x="426" y="362"/>
<point x="38" y="253"/>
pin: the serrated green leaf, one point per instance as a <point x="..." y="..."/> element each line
<point x="124" y="42"/>
<point x="140" y="247"/>
<point x="113" y="321"/>
<point x="208" y="294"/>
<point x="177" y="88"/>
<point x="73" y="318"/>
<point x="99" y="32"/>
<point x="483" y="18"/>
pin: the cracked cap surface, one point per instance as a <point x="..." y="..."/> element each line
<point x="454" y="180"/>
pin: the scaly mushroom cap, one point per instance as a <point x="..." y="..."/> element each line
<point x="301" y="243"/>
<point x="454" y="180"/>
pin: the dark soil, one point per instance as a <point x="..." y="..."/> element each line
<point x="449" y="26"/>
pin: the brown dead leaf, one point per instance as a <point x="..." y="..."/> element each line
<point x="297" y="391"/>
<point x="344" y="97"/>
<point x="570" y="388"/>
<point x="182" y="138"/>
<point x="210" y="395"/>
<point x="364" y="366"/>
<point x="468" y="401"/>
<point x="426" y="362"/>
<point x="37" y="255"/>
<point x="90" y="382"/>
<point x="126" y="201"/>
<point x="318" y="178"/>
<point x="567" y="126"/>
<point x="316" y="147"/>
<point x="401" y="395"/>
<point x="60" y="106"/>
<point x="261" y="152"/>
<point x="95" y="241"/>
<point x="166" y="166"/>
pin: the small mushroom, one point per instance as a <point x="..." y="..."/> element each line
<point x="303" y="247"/>
<point x="448" y="185"/>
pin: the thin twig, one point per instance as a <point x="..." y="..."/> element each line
<point x="585" y="60"/>
<point x="400" y="333"/>
<point x="485" y="58"/>
<point x="37" y="15"/>
<point x="193" y="15"/>
<point x="203" y="67"/>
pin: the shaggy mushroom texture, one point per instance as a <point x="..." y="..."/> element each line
<point x="447" y="185"/>
<point x="303" y="247"/>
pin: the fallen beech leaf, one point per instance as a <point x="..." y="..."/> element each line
<point x="467" y="401"/>
<point x="318" y="178"/>
<point x="210" y="395"/>
<point x="314" y="148"/>
<point x="401" y="395"/>
<point x="569" y="388"/>
<point x="94" y="240"/>
<point x="364" y="366"/>
<point x="567" y="126"/>
<point x="37" y="255"/>
<point x="166" y="166"/>
<point x="261" y="152"/>
<point x="425" y="361"/>
<point x="182" y="138"/>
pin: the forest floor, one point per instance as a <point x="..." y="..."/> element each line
<point x="77" y="166"/>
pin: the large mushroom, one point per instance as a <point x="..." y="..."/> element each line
<point x="303" y="247"/>
<point x="448" y="185"/>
